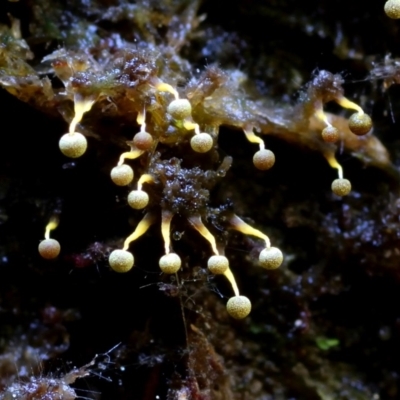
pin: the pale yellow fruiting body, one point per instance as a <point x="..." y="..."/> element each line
<point x="241" y="226"/>
<point x="360" y="124"/>
<point x="341" y="187"/>
<point x="392" y="9"/>
<point x="271" y="258"/>
<point x="198" y="224"/>
<point x="49" y="248"/>
<point x="140" y="229"/>
<point x="121" y="260"/>
<point x="51" y="225"/>
<point x="166" y="87"/>
<point x="170" y="263"/>
<point x="180" y="109"/>
<point x="122" y="175"/>
<point x="238" y="307"/>
<point x="330" y="134"/>
<point x="217" y="265"/>
<point x="138" y="199"/>
<point x="73" y="145"/>
<point x="264" y="159"/>
<point x="143" y="140"/>
<point x="201" y="143"/>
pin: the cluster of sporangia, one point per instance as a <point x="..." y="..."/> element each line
<point x="74" y="144"/>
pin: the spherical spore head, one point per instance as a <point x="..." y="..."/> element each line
<point x="341" y="187"/>
<point x="330" y="134"/>
<point x="201" y="143"/>
<point x="138" y="199"/>
<point x="360" y="124"/>
<point x="392" y="9"/>
<point x="179" y="109"/>
<point x="238" y="307"/>
<point x="49" y="248"/>
<point x="264" y="159"/>
<point x="73" y="145"/>
<point x="121" y="260"/>
<point x="271" y="258"/>
<point x="122" y="175"/>
<point x="143" y="141"/>
<point x="170" y="263"/>
<point x="217" y="264"/>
